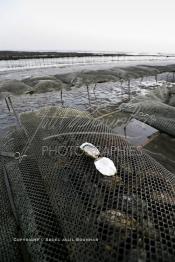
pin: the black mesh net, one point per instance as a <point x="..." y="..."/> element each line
<point x="155" y="108"/>
<point x="75" y="213"/>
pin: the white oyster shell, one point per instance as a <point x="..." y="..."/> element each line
<point x="90" y="150"/>
<point x="105" y="166"/>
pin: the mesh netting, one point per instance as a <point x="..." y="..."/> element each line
<point x="77" y="213"/>
<point x="8" y="226"/>
<point x="163" y="119"/>
<point x="156" y="109"/>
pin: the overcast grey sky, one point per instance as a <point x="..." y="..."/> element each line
<point x="110" y="25"/>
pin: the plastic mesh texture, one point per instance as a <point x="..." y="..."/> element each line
<point x="154" y="109"/>
<point x="9" y="250"/>
<point x="59" y="194"/>
<point x="163" y="115"/>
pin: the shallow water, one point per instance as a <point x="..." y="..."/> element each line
<point x="104" y="100"/>
<point x="106" y="96"/>
<point x="40" y="67"/>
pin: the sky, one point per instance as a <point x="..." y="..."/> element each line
<point x="88" y="25"/>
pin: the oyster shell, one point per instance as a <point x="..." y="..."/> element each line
<point x="164" y="197"/>
<point x="90" y="150"/>
<point x="105" y="166"/>
<point x="117" y="219"/>
<point x="110" y="181"/>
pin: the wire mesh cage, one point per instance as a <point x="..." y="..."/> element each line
<point x="75" y="213"/>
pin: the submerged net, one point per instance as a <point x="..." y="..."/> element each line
<point x="76" y="213"/>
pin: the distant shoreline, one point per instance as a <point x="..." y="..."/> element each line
<point x="17" y="55"/>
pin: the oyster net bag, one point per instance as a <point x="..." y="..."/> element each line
<point x="159" y="115"/>
<point x="76" y="213"/>
<point x="9" y="250"/>
<point x="157" y="109"/>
